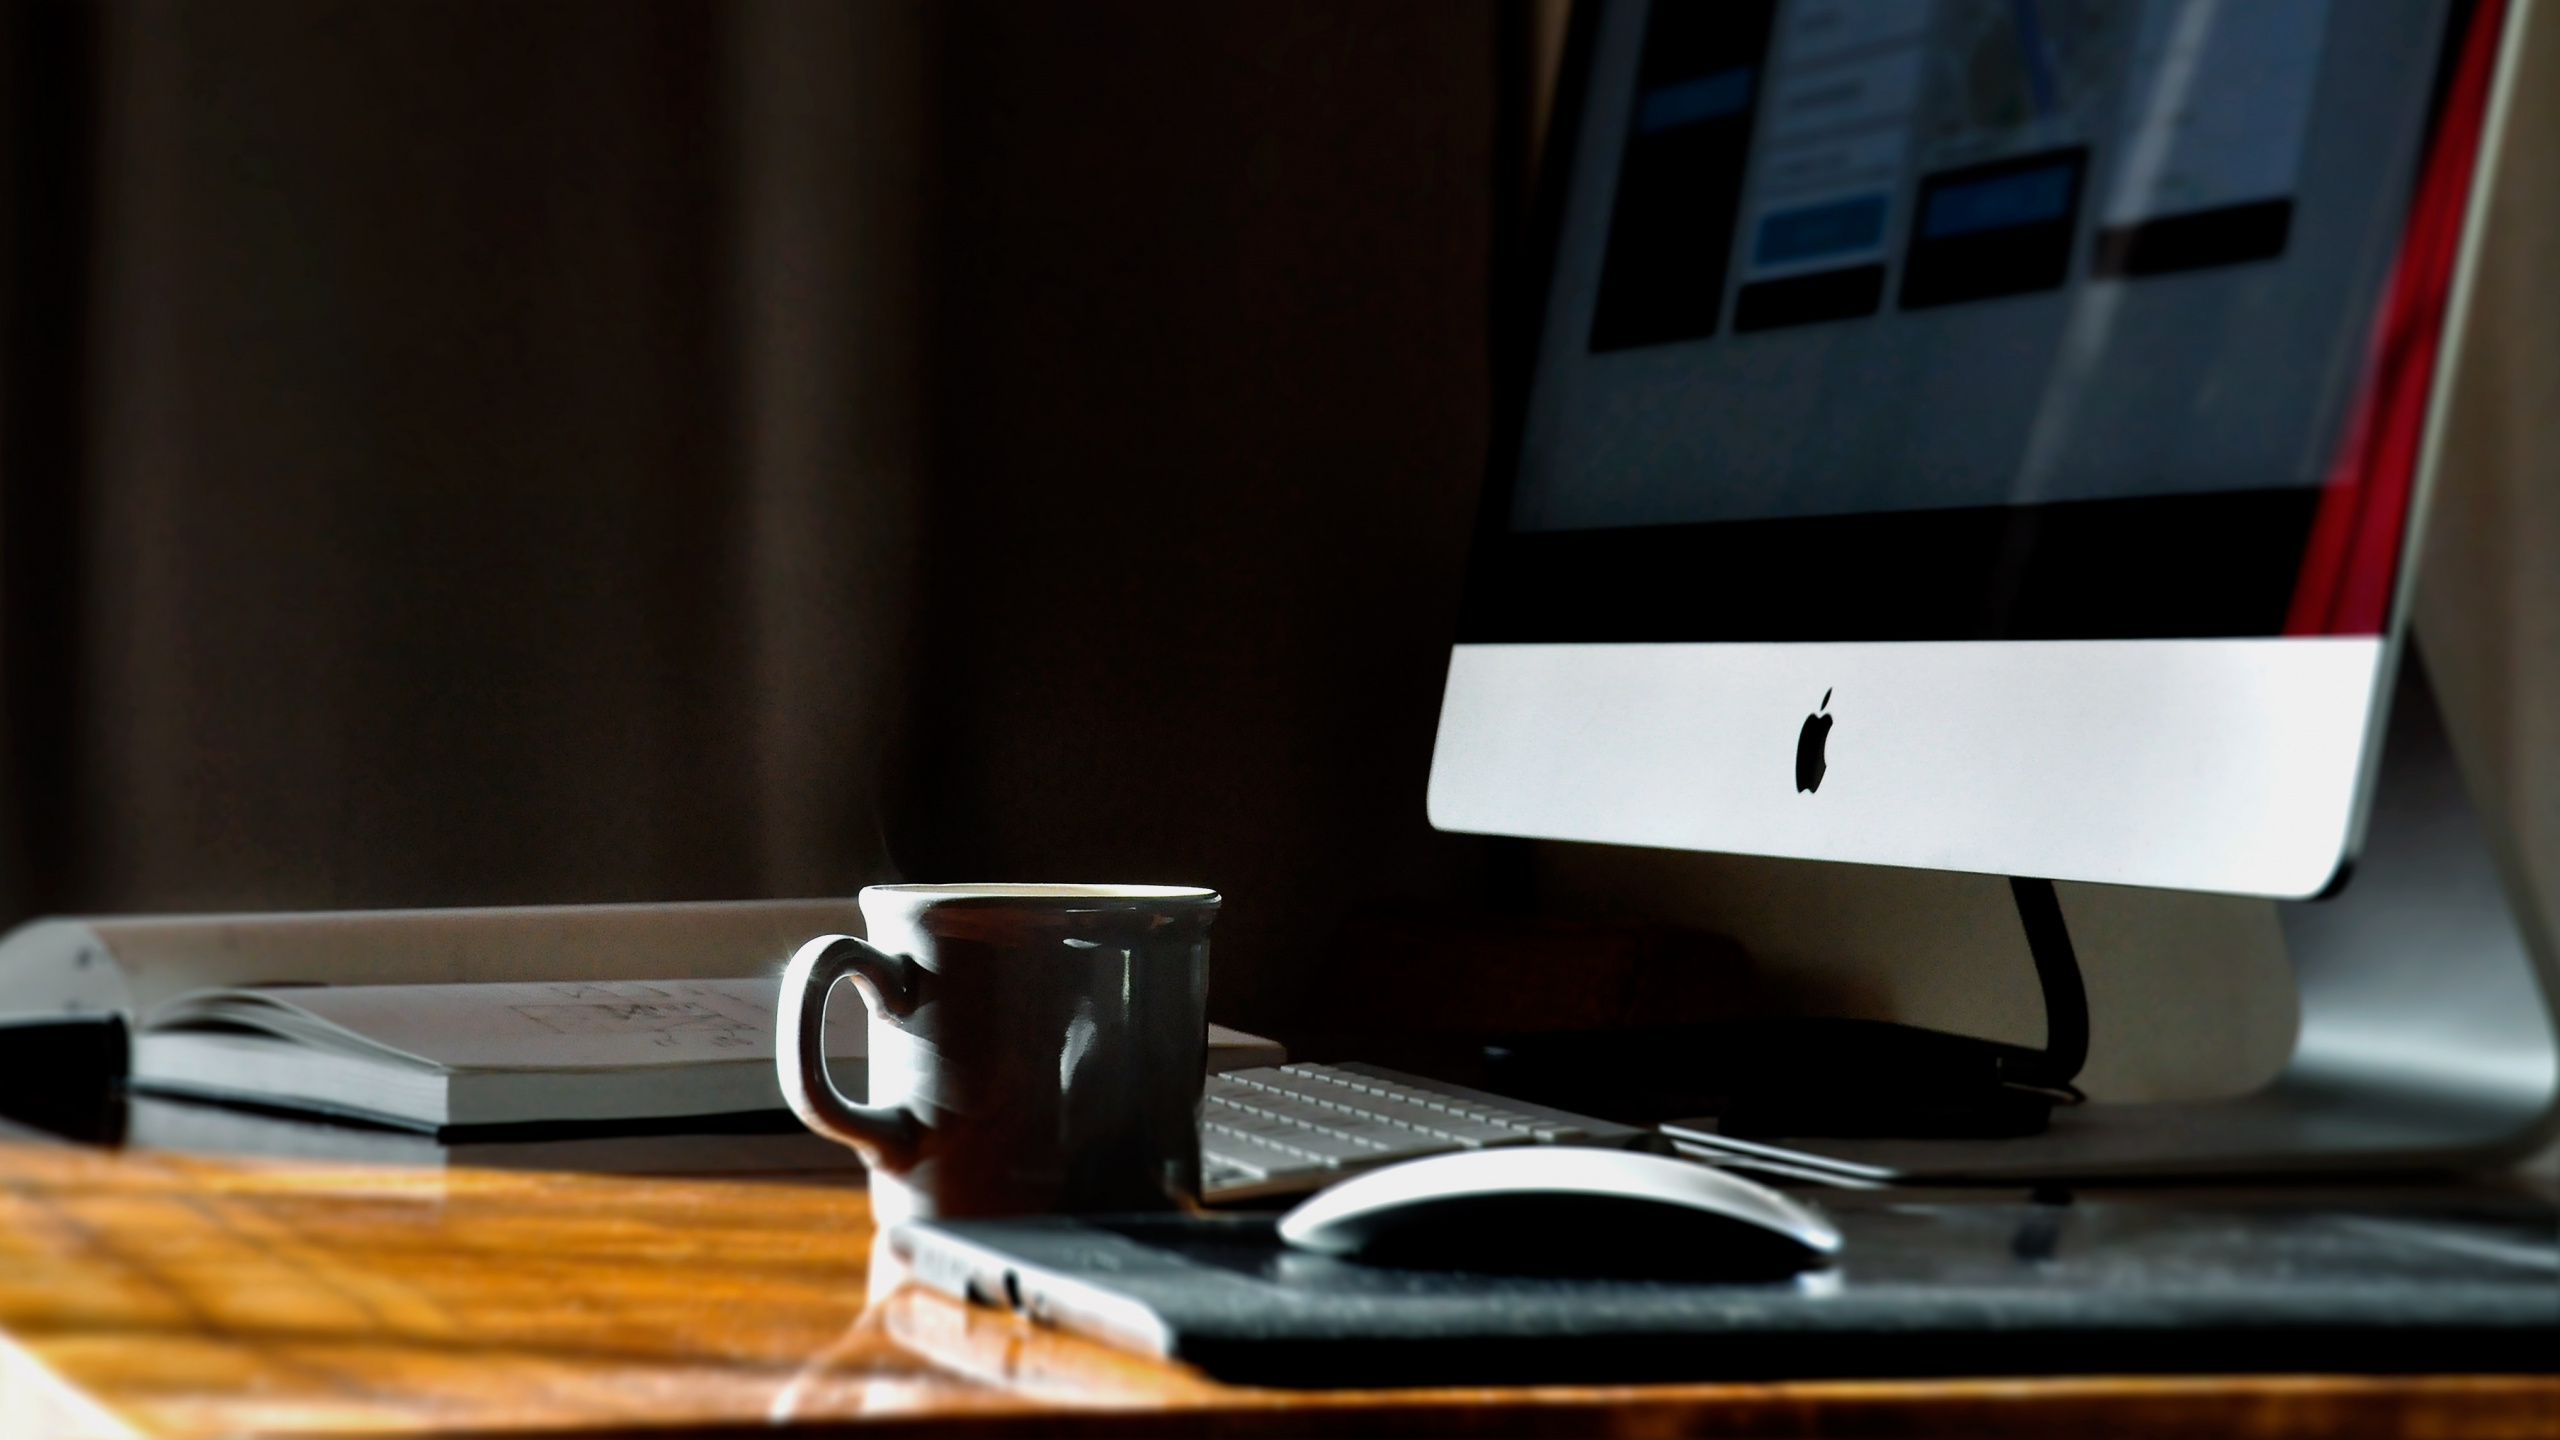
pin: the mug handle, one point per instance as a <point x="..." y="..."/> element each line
<point x="885" y="1134"/>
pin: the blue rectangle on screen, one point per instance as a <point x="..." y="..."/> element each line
<point x="1694" y="102"/>
<point x="1831" y="228"/>
<point x="2027" y="197"/>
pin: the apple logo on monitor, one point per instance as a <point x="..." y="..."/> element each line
<point x="1809" y="742"/>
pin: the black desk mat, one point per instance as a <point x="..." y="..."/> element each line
<point x="1939" y="1286"/>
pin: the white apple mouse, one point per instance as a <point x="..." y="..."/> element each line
<point x="1564" y="1210"/>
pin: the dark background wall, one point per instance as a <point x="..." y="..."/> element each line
<point x="1209" y="415"/>
<point x="406" y="565"/>
<point x="488" y="452"/>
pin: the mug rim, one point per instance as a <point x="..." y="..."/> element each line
<point x="1010" y="890"/>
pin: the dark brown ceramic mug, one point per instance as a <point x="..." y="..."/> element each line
<point x="1035" y="1049"/>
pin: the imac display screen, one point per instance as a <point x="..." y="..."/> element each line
<point x="1958" y="319"/>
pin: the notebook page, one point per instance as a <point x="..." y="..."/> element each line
<point x="552" y="1025"/>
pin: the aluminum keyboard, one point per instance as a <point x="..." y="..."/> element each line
<point x="1287" y="1128"/>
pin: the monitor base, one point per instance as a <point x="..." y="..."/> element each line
<point x="2427" y="1039"/>
<point x="1788" y="1076"/>
<point x="1837" y="1077"/>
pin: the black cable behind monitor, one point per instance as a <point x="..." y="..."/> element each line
<point x="1823" y="1076"/>
<point x="2066" y="999"/>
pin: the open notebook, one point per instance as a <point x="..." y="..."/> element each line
<point x="436" y="1057"/>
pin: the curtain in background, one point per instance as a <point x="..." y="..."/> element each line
<point x="600" y="449"/>
<point x="475" y="466"/>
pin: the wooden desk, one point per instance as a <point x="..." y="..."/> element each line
<point x="160" y="1295"/>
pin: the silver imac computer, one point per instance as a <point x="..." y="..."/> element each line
<point x="1994" y="435"/>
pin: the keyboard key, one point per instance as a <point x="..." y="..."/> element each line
<point x="1378" y="1132"/>
<point x="1447" y="1127"/>
<point x="1260" y="1147"/>
<point x="1329" y="1146"/>
<point x="1554" y="1127"/>
<point x="1226" y="1172"/>
<point x="1286" y="1128"/>
<point x="1366" y="1091"/>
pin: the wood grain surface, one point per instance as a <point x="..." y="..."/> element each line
<point x="164" y="1295"/>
